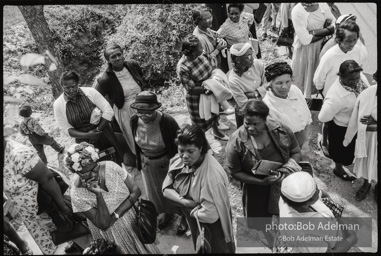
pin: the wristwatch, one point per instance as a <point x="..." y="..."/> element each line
<point x="116" y="215"/>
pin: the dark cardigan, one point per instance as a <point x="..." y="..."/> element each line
<point x="168" y="128"/>
<point x="108" y="84"/>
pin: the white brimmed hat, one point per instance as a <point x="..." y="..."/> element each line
<point x="299" y="187"/>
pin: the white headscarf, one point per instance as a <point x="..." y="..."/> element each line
<point x="240" y="49"/>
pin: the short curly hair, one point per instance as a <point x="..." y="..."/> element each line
<point x="255" y="108"/>
<point x="236" y="5"/>
<point x="25" y="111"/>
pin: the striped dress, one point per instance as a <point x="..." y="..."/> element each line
<point x="123" y="232"/>
<point x="191" y="74"/>
<point x="78" y="115"/>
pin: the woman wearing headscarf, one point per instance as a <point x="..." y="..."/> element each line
<point x="312" y="23"/>
<point x="198" y="184"/>
<point x="286" y="101"/>
<point x="73" y="111"/>
<point x="337" y="109"/>
<point x="246" y="79"/>
<point x="193" y="69"/>
<point x="154" y="133"/>
<point x="364" y="122"/>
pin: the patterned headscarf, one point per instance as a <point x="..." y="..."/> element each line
<point x="277" y="69"/>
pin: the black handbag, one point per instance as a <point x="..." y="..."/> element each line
<point x="146" y="217"/>
<point x="315" y="104"/>
<point x="258" y="13"/>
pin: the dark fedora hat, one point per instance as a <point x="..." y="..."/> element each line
<point x="146" y="101"/>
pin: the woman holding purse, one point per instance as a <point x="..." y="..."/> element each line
<point x="104" y="193"/>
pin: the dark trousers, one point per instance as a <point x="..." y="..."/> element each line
<point x="38" y="143"/>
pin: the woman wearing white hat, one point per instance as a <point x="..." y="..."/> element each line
<point x="300" y="197"/>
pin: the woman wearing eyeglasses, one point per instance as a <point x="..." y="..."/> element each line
<point x="104" y="193"/>
<point x="154" y="133"/>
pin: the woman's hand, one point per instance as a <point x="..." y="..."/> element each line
<point x="93" y="186"/>
<point x="221" y="44"/>
<point x="368" y="120"/>
<point x="187" y="203"/>
<point x="94" y="134"/>
<point x="208" y="92"/>
<point x="327" y="23"/>
<point x="274" y="177"/>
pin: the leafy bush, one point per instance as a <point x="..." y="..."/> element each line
<point x="80" y="30"/>
<point x="152" y="35"/>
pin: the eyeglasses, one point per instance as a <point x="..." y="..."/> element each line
<point x="81" y="174"/>
<point x="145" y="113"/>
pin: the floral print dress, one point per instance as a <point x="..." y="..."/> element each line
<point x="18" y="161"/>
<point x="123" y="232"/>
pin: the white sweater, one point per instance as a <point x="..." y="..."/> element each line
<point x="326" y="72"/>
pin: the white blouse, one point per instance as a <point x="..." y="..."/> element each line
<point x="292" y="111"/>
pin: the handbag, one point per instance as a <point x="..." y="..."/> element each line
<point x="258" y="13"/>
<point x="146" y="217"/>
<point x="202" y="243"/>
<point x="335" y="208"/>
<point x="96" y="116"/>
<point x="315" y="104"/>
<point x="263" y="167"/>
<point x="285" y="39"/>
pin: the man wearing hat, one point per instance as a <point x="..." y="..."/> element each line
<point x="154" y="133"/>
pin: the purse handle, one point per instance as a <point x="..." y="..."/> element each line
<point x="201" y="230"/>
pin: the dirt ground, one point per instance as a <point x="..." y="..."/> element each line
<point x="341" y="191"/>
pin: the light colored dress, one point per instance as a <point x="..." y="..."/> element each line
<point x="305" y="58"/>
<point x="366" y="143"/>
<point x="18" y="161"/>
<point x="123" y="115"/>
<point x="151" y="142"/>
<point x="123" y="232"/>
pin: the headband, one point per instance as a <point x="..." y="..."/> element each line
<point x="343" y="18"/>
<point x="234" y="50"/>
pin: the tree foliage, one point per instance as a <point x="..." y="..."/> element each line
<point x="79" y="32"/>
<point x="152" y="35"/>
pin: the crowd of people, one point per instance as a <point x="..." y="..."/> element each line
<point x="176" y="165"/>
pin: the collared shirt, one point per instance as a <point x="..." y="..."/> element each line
<point x="292" y="111"/>
<point x="329" y="65"/>
<point x="236" y="32"/>
<point x="30" y="125"/>
<point x="250" y="81"/>
<point x="93" y="95"/>
<point x="338" y="104"/>
<point x="300" y="21"/>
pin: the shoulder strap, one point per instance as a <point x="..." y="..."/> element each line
<point x="26" y="126"/>
<point x="102" y="172"/>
